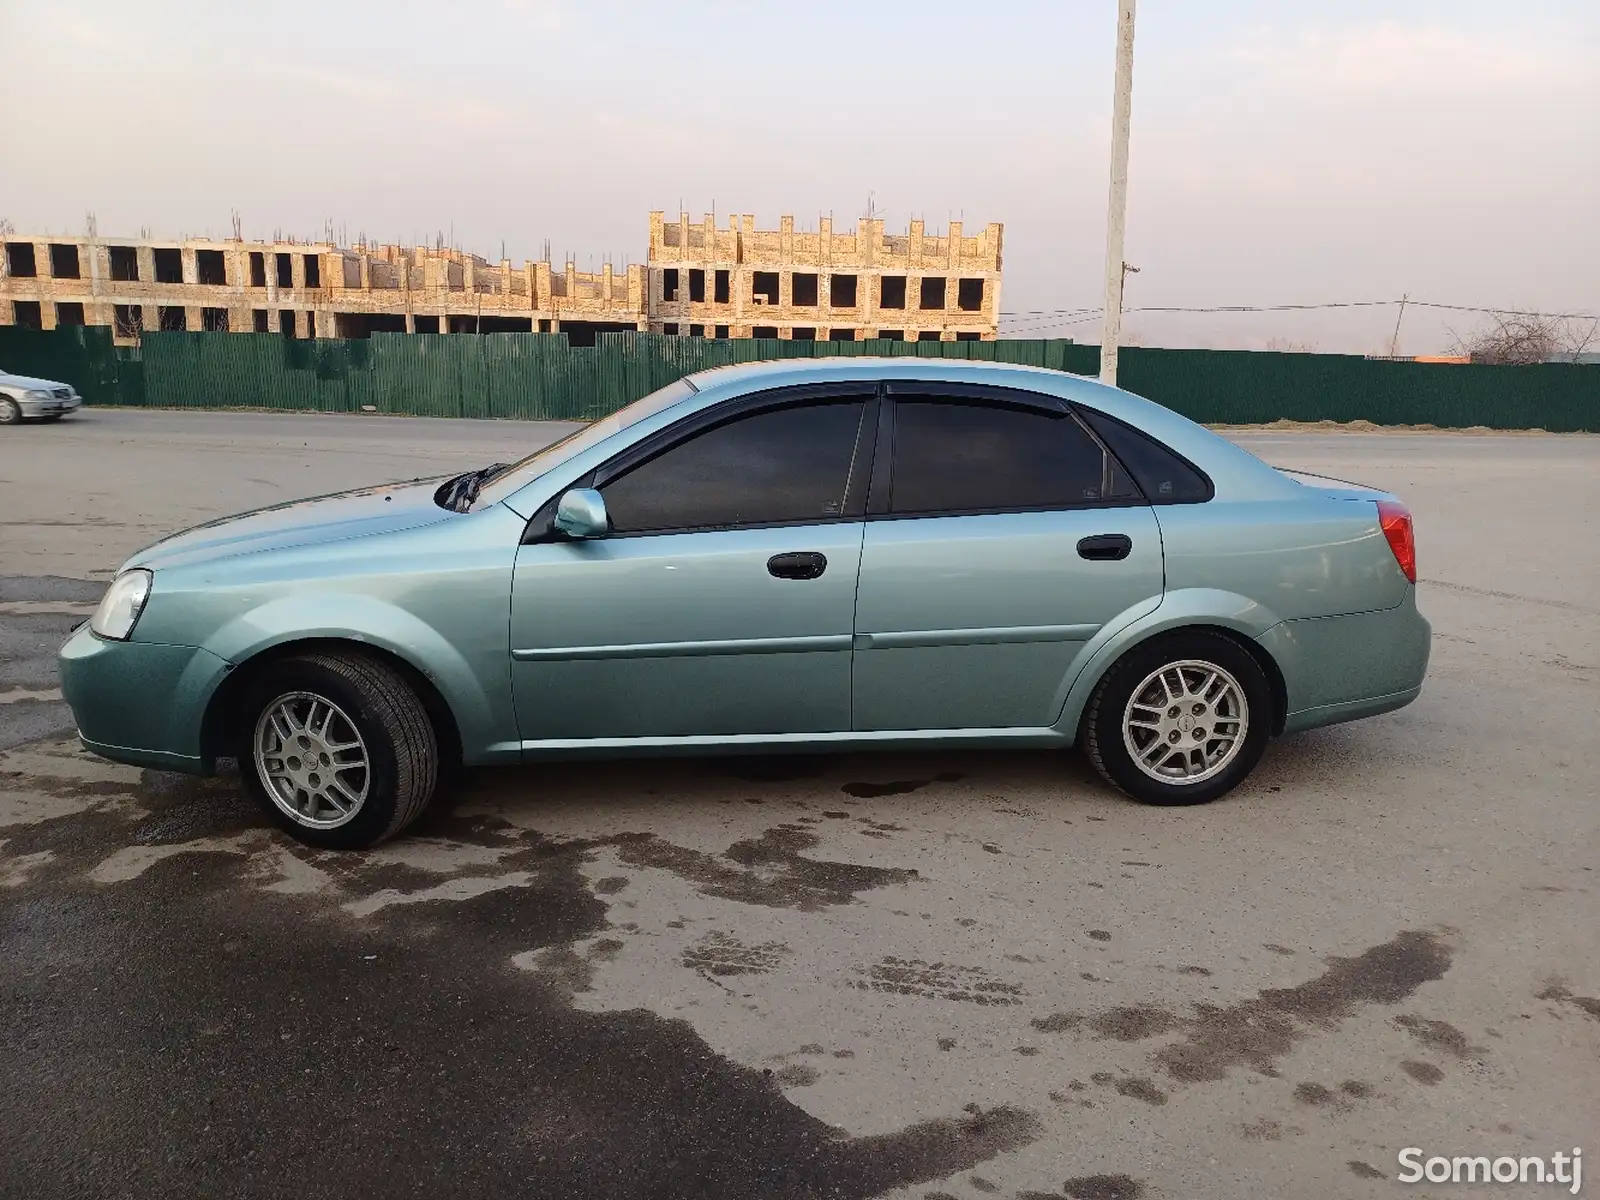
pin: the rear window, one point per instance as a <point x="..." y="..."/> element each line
<point x="1162" y="476"/>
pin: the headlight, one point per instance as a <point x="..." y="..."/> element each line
<point x="121" y="605"/>
<point x="38" y="395"/>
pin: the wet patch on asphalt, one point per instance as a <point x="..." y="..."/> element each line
<point x="1258" y="1032"/>
<point x="722" y="954"/>
<point x="785" y="878"/>
<point x="439" y="1009"/>
<point x="1556" y="989"/>
<point x="1092" y="1187"/>
<point x="936" y="981"/>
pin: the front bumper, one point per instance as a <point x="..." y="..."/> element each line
<point x="56" y="406"/>
<point x="141" y="703"/>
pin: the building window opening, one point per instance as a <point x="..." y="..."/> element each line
<point x="928" y="335"/>
<point x="721" y="331"/>
<point x="933" y="291"/>
<point x="697" y="286"/>
<point x="802" y="333"/>
<point x="842" y="291"/>
<point x="721" y="291"/>
<point x="670" y="329"/>
<point x="286" y="317"/>
<point x="285" y="268"/>
<point x="764" y="331"/>
<point x="425" y="324"/>
<point x="669" y="284"/>
<point x="124" y="264"/>
<point x="127" y="320"/>
<point x="892" y="291"/>
<point x="214" y="320"/>
<point x="805" y="290"/>
<point x="585" y="333"/>
<point x="172" y="318"/>
<point x="764" y="287"/>
<point x="969" y="295"/>
<point x="841" y="335"/>
<point x="169" y="266"/>
<point x="313" y="271"/>
<point x="697" y="331"/>
<point x="258" y="269"/>
<point x="63" y="262"/>
<point x="210" y="268"/>
<point x="968" y="335"/>
<point x="27" y="314"/>
<point x="20" y="263"/>
<point x="259" y="320"/>
<point x="891" y="335"/>
<point x="69" y="312"/>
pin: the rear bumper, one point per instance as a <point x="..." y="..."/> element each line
<point x="1344" y="668"/>
<point x="140" y="703"/>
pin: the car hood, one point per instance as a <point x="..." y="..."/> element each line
<point x="359" y="513"/>
<point x="29" y="382"/>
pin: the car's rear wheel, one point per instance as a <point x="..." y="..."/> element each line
<point x="1180" y="720"/>
<point x="10" y="412"/>
<point x="338" y="749"/>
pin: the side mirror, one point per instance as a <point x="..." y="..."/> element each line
<point x="581" y="513"/>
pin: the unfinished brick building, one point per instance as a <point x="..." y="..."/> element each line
<point x="304" y="290"/>
<point x="745" y="282"/>
<point x="701" y="281"/>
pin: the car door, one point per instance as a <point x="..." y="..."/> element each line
<point x="1001" y="536"/>
<point x="722" y="602"/>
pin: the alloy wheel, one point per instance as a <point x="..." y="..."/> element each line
<point x="312" y="760"/>
<point x="1185" y="722"/>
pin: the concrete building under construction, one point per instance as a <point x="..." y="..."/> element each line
<point x="698" y="280"/>
<point x="827" y="285"/>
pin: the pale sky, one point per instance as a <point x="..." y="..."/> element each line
<point x="1286" y="152"/>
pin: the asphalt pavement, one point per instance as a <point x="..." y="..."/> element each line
<point x="933" y="975"/>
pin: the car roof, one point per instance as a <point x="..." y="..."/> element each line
<point x="908" y="366"/>
<point x="721" y="383"/>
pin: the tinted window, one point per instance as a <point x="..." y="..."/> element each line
<point x="1161" y="475"/>
<point x="781" y="465"/>
<point x="958" y="457"/>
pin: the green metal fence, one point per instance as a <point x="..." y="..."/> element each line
<point x="539" y="377"/>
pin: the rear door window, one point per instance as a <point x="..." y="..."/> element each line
<point x="958" y="456"/>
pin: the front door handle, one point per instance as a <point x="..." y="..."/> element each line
<point x="1105" y="547"/>
<point x="799" y="564"/>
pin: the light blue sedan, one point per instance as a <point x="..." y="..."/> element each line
<point x="831" y="554"/>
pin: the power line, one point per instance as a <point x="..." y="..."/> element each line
<point x="1331" y="304"/>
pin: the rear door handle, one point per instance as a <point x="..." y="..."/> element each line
<point x="1105" y="547"/>
<point x="798" y="564"/>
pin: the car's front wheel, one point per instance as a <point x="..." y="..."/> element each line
<point x="10" y="411"/>
<point x="338" y="749"/>
<point x="1180" y="720"/>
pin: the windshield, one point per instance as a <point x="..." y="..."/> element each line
<point x="536" y="464"/>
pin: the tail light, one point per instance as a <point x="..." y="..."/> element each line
<point x="1396" y="521"/>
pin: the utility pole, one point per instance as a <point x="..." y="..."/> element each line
<point x="1394" y="341"/>
<point x="1116" y="214"/>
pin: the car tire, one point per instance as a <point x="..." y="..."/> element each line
<point x="51" y="419"/>
<point x="1208" y="686"/>
<point x="10" y="411"/>
<point x="324" y="730"/>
